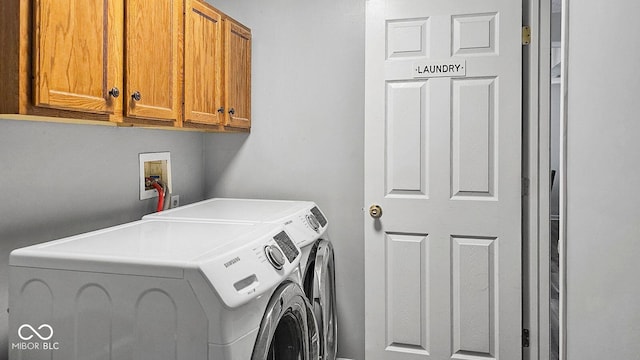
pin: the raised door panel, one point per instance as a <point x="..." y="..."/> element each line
<point x="406" y="149"/>
<point x="203" y="65"/>
<point x="408" y="296"/>
<point x="152" y="81"/>
<point x="237" y="75"/>
<point x="75" y="61"/>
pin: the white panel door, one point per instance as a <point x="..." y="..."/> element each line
<point x="443" y="160"/>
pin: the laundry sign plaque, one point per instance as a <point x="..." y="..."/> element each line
<point x="445" y="68"/>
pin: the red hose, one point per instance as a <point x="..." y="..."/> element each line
<point x="160" y="195"/>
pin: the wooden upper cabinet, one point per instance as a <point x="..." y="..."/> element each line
<point x="153" y="59"/>
<point x="217" y="67"/>
<point x="237" y="69"/>
<point x="203" y="65"/>
<point x="170" y="63"/>
<point x="76" y="60"/>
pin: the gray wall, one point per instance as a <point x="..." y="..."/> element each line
<point x="603" y="204"/>
<point x="556" y="22"/>
<point x="308" y="130"/>
<point x="59" y="179"/>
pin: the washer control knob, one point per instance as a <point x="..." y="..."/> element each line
<point x="313" y="222"/>
<point x="275" y="256"/>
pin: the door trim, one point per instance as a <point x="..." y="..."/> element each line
<point x="564" y="116"/>
<point x="536" y="167"/>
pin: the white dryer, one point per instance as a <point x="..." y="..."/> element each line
<point x="307" y="225"/>
<point x="161" y="290"/>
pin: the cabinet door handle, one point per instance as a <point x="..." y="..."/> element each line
<point x="136" y="96"/>
<point x="221" y="109"/>
<point x="232" y="111"/>
<point x="115" y="92"/>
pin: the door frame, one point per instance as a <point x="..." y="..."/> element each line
<point x="535" y="168"/>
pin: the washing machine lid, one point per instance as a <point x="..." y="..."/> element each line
<point x="230" y="256"/>
<point x="238" y="210"/>
<point x="303" y="219"/>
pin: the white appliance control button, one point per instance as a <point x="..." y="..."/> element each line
<point x="275" y="256"/>
<point x="313" y="222"/>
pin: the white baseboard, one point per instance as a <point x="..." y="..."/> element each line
<point x="342" y="359"/>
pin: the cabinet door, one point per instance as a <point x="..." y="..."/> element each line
<point x="74" y="59"/>
<point x="203" y="64"/>
<point x="237" y="75"/>
<point x="152" y="30"/>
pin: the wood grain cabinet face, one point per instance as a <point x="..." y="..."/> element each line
<point x="75" y="65"/>
<point x="152" y="83"/>
<point x="237" y="75"/>
<point x="168" y="63"/>
<point x="203" y="65"/>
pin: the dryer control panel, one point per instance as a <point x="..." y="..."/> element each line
<point x="306" y="225"/>
<point x="319" y="216"/>
<point x="288" y="247"/>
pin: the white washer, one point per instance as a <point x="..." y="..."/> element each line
<point x="307" y="225"/>
<point x="161" y="290"/>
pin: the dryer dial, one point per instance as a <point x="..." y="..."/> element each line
<point x="313" y="222"/>
<point x="275" y="256"/>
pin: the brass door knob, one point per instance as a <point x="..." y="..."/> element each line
<point x="375" y="211"/>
